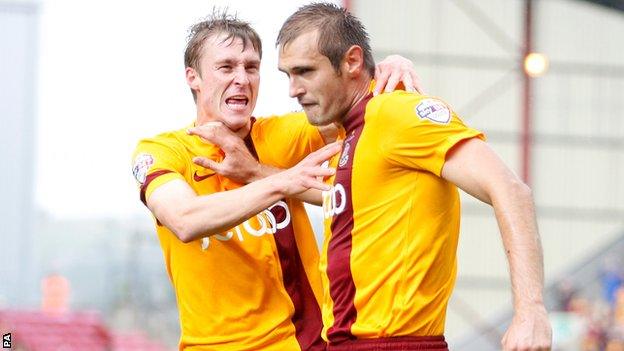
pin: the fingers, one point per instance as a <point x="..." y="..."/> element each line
<point x="310" y="172"/>
<point x="504" y="339"/>
<point x="206" y="163"/>
<point x="408" y="83"/>
<point x="316" y="184"/>
<point x="381" y="78"/>
<point x="313" y="177"/>
<point x="208" y="131"/>
<point x="377" y="73"/>
<point x="520" y="338"/>
<point x="217" y="133"/>
<point x="393" y="81"/>
<point x="323" y="154"/>
<point x="394" y="70"/>
<point x="320" y="172"/>
<point x="301" y="178"/>
<point x="416" y="82"/>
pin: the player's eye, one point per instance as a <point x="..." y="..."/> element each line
<point x="303" y="71"/>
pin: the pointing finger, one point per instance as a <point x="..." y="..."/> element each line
<point x="206" y="163"/>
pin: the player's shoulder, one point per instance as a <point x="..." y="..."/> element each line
<point x="400" y="98"/>
<point x="273" y="126"/>
<point x="169" y="137"/>
<point x="271" y="120"/>
<point x="174" y="140"/>
<point x="400" y="103"/>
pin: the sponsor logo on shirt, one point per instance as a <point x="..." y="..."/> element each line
<point x="266" y="222"/>
<point x="198" y="178"/>
<point x="334" y="201"/>
<point x="433" y="110"/>
<point x="142" y="164"/>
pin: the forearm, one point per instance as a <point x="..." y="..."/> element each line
<point x="476" y="169"/>
<point x="515" y="213"/>
<point x="191" y="217"/>
<point x="216" y="213"/>
<point x="261" y="172"/>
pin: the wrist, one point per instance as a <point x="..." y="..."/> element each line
<point x="262" y="171"/>
<point x="255" y="173"/>
<point x="277" y="186"/>
<point x="529" y="307"/>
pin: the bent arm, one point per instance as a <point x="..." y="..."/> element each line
<point x="190" y="216"/>
<point x="474" y="167"/>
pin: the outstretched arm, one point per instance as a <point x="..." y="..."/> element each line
<point x="190" y="216"/>
<point x="476" y="169"/>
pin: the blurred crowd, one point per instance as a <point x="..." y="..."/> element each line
<point x="586" y="323"/>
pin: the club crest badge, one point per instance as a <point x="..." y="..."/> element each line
<point x="433" y="110"/>
<point x="344" y="157"/>
<point x="142" y="164"/>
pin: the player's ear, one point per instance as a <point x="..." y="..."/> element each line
<point x="353" y="61"/>
<point x="193" y="79"/>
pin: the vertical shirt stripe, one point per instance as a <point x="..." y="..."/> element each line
<point x="307" y="315"/>
<point x="341" y="286"/>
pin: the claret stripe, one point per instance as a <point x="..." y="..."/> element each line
<point x="307" y="315"/>
<point x="341" y="285"/>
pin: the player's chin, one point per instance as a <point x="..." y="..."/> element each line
<point x="237" y="121"/>
<point x="312" y="115"/>
<point x="317" y="120"/>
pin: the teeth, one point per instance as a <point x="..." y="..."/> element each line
<point x="237" y="101"/>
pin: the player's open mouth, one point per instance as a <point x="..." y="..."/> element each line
<point x="237" y="102"/>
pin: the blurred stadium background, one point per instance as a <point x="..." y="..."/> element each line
<point x="81" y="267"/>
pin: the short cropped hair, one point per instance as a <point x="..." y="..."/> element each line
<point x="220" y="22"/>
<point x="338" y="31"/>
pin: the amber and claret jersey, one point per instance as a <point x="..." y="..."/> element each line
<point x="255" y="286"/>
<point x="391" y="221"/>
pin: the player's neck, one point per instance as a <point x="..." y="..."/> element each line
<point x="242" y="132"/>
<point x="361" y="91"/>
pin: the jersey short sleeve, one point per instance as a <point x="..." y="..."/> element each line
<point x="418" y="130"/>
<point x="155" y="162"/>
<point x="286" y="139"/>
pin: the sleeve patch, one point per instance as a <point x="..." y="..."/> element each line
<point x="433" y="110"/>
<point x="142" y="164"/>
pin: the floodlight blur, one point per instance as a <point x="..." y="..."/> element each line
<point x="535" y="64"/>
